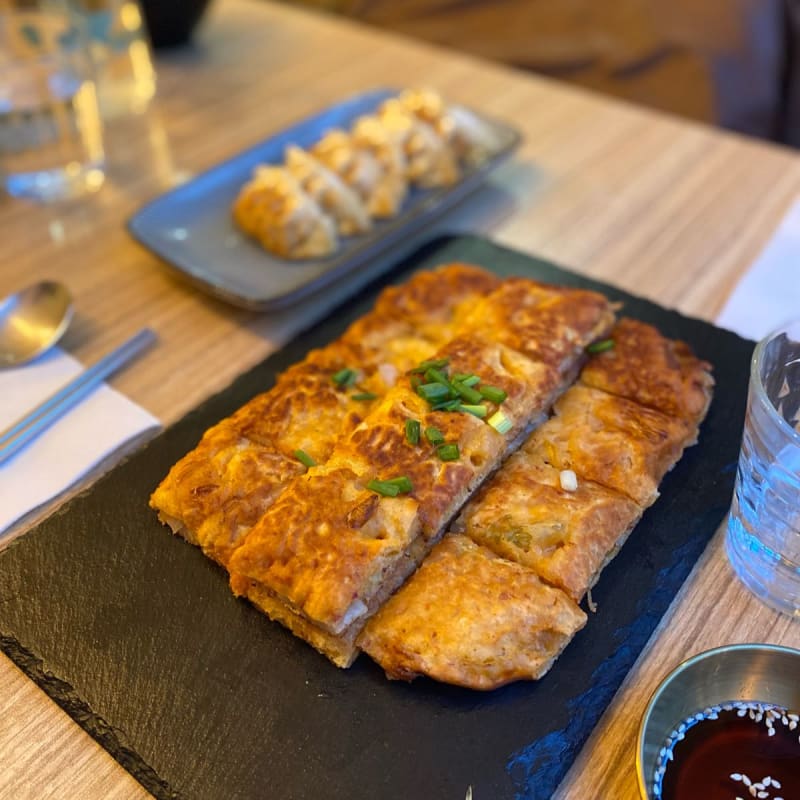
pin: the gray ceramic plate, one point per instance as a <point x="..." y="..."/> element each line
<point x="191" y="228"/>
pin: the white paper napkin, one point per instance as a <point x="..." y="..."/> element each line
<point x="99" y="425"/>
<point x="769" y="293"/>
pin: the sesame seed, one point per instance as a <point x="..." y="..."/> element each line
<point x="766" y="781"/>
<point x="746" y="781"/>
<point x="761" y="795"/>
<point x="776" y="784"/>
<point x="735" y="776"/>
<point x="771" y="732"/>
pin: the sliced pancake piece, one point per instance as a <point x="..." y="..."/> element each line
<point x="612" y="441"/>
<point x="215" y="493"/>
<point x="546" y="323"/>
<point x="660" y="373"/>
<point x="470" y="618"/>
<point x="278" y="558"/>
<point x="566" y="537"/>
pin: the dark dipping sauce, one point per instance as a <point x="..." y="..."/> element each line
<point x="713" y="750"/>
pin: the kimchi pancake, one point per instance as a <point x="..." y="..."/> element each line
<point x="471" y="618"/>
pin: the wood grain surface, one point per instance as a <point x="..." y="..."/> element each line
<point x="665" y="209"/>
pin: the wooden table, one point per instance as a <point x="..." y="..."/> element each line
<point x="669" y="210"/>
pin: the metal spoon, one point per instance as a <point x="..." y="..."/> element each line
<point x="32" y="321"/>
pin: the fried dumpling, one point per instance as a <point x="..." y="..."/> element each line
<point x="330" y="191"/>
<point x="373" y="172"/>
<point x="429" y="159"/>
<point x="287" y="221"/>
<point x="470" y="138"/>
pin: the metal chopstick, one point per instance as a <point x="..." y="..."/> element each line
<point x="25" y="430"/>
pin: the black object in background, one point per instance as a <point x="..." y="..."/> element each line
<point x="171" y="22"/>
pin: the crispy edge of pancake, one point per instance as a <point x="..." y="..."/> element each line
<point x="657" y="372"/>
<point x="463" y="617"/>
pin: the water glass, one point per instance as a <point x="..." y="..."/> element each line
<point x="763" y="538"/>
<point x="126" y="79"/>
<point x="51" y="141"/>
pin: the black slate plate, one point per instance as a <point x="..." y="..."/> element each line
<point x="137" y="636"/>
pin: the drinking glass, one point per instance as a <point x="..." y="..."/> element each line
<point x="126" y="79"/>
<point x="51" y="141"/>
<point x="763" y="538"/>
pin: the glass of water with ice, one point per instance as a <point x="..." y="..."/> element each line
<point x="51" y="138"/>
<point x="763" y="539"/>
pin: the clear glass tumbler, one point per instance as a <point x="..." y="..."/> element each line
<point x="51" y="138"/>
<point x="763" y="539"/>
<point x="126" y="79"/>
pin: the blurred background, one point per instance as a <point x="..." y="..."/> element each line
<point x="730" y="63"/>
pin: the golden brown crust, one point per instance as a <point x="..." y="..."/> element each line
<point x="655" y="371"/>
<point x="524" y="515"/>
<point x="472" y="619"/>
<point x="216" y="492"/>
<point x="611" y="441"/>
<point x="325" y="546"/>
<point x="546" y="323"/>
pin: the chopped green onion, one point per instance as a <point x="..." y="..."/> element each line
<point x="304" y="458"/>
<point x="600" y="347"/>
<point x="384" y="487"/>
<point x="447" y="405"/>
<point x="476" y="410"/>
<point x="448" y="452"/>
<point x="344" y="377"/>
<point x="433" y="392"/>
<point x="364" y="396"/>
<point x="471" y="380"/>
<point x="500" y="422"/>
<point x="463" y="377"/>
<point x="434" y="435"/>
<point x="493" y="394"/>
<point x="467" y="392"/>
<point x="433" y="375"/>
<point x="412" y="431"/>
<point x="403" y="483"/>
<point x="435" y="363"/>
